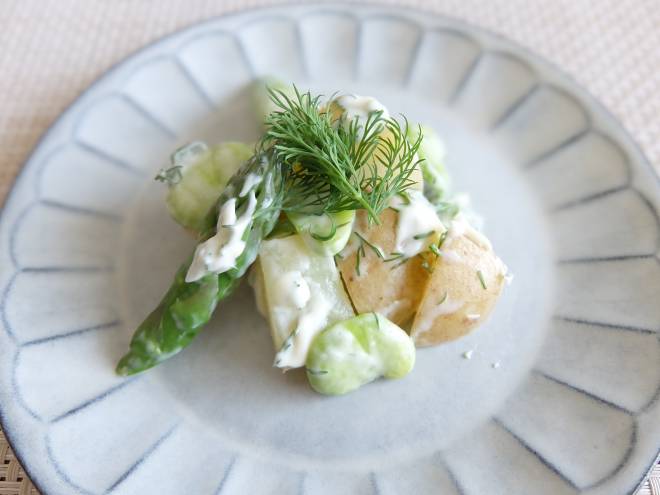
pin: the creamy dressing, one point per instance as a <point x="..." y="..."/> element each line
<point x="464" y="204"/>
<point x="219" y="253"/>
<point x="227" y="216"/>
<point x="251" y="180"/>
<point x="351" y="247"/>
<point x="312" y="318"/>
<point x="451" y="256"/>
<point x="295" y="288"/>
<point x="473" y="316"/>
<point x="417" y="218"/>
<point x="447" y="307"/>
<point x="359" y="107"/>
<point x="460" y="227"/>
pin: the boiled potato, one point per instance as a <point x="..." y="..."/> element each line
<point x="389" y="288"/>
<point x="466" y="282"/>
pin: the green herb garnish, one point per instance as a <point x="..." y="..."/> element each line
<point x="329" y="235"/>
<point x="480" y="276"/>
<point x="372" y="246"/>
<point x="404" y="260"/>
<point x="443" y="238"/>
<point x="419" y="237"/>
<point x="393" y="257"/>
<point x="316" y="372"/>
<point x="334" y="164"/>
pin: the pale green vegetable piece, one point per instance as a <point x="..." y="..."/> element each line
<point x="302" y="294"/>
<point x="261" y="102"/>
<point x="324" y="234"/>
<point x="354" y="352"/>
<point x="432" y="151"/>
<point x="198" y="175"/>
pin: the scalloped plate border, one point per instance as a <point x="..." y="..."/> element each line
<point x="626" y="142"/>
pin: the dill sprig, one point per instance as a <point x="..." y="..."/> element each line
<point x="333" y="164"/>
<point x="378" y="251"/>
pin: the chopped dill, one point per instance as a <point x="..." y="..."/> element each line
<point x="443" y="238"/>
<point x="404" y="260"/>
<point x="393" y="257"/>
<point x="480" y="276"/>
<point x="425" y="235"/>
<point x="372" y="246"/>
<point x="316" y="372"/>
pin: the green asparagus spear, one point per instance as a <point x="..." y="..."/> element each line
<point x="188" y="306"/>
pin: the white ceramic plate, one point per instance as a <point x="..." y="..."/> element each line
<point x="87" y="249"/>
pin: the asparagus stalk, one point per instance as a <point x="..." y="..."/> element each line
<point x="188" y="306"/>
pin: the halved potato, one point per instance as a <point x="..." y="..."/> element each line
<point x="393" y="289"/>
<point x="466" y="282"/>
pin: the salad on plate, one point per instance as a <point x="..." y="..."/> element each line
<point x="343" y="220"/>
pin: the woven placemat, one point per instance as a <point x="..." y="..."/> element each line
<point x="51" y="51"/>
<point x="13" y="480"/>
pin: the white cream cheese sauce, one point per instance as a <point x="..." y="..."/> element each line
<point x="311" y="320"/>
<point x="219" y="253"/>
<point x="293" y="286"/>
<point x="251" y="180"/>
<point x="417" y="221"/>
<point x="359" y="107"/>
<point x="447" y="307"/>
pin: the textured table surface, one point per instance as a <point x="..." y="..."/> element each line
<point x="52" y="50"/>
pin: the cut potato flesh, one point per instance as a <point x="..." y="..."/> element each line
<point x="391" y="288"/>
<point x="466" y="282"/>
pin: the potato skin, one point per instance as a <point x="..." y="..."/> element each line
<point x="394" y="291"/>
<point x="455" y="301"/>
